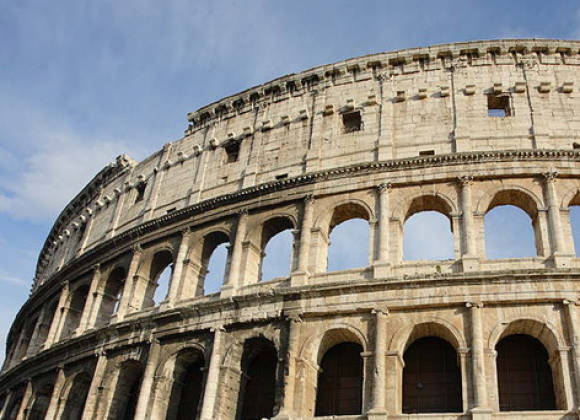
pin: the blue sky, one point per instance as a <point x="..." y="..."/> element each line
<point x="81" y="82"/>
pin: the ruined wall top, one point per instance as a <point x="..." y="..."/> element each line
<point x="394" y="109"/>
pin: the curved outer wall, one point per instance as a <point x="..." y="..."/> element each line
<point x="286" y="155"/>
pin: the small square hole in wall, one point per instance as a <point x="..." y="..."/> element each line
<point x="426" y="152"/>
<point x="233" y="151"/>
<point x="498" y="106"/>
<point x="281" y="176"/>
<point x="352" y="121"/>
<point x="140" y="191"/>
<point x="171" y="210"/>
<point x="576" y="146"/>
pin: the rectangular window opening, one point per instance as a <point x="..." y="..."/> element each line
<point x="140" y="191"/>
<point x="498" y="106"/>
<point x="352" y="121"/>
<point x="426" y="152"/>
<point x="575" y="146"/>
<point x="171" y="210"/>
<point x="281" y="176"/>
<point x="233" y="151"/>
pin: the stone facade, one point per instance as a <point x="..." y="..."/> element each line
<point x="458" y="129"/>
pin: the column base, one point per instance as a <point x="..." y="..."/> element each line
<point x="227" y="290"/>
<point x="481" y="413"/>
<point x="561" y="260"/>
<point x="377" y="414"/>
<point x="381" y="269"/>
<point x="299" y="278"/>
<point x="470" y="263"/>
<point x="284" y="416"/>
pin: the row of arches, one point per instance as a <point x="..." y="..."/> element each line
<point x="431" y="380"/>
<point x="269" y="245"/>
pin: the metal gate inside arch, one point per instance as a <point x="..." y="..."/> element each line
<point x="151" y="299"/>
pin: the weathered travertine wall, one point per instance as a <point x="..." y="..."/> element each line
<point x="381" y="138"/>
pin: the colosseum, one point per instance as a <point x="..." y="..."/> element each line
<point x="457" y="129"/>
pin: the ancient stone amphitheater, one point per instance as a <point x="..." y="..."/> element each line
<point x="458" y="129"/>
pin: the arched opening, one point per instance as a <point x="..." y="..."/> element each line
<point x="258" y="383"/>
<point x="77" y="397"/>
<point x="511" y="229"/>
<point x="75" y="310"/>
<point x="427" y="235"/>
<point x="575" y="227"/>
<point x="26" y="338"/>
<point x="214" y="263"/>
<point x="14" y="405"/>
<point x="41" y="401"/>
<point x="277" y="248"/>
<point x="524" y="375"/>
<point x="160" y="277"/>
<point x="431" y="377"/>
<point x="44" y="325"/>
<point x="348" y="238"/>
<point x="188" y="384"/>
<point x="126" y="391"/>
<point x="574" y="217"/>
<point x="427" y="230"/>
<point x="111" y="295"/>
<point x="340" y="381"/>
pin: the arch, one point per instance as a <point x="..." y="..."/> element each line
<point x="570" y="198"/>
<point x="126" y="393"/>
<point x="76" y="396"/>
<point x="316" y="344"/>
<point x="510" y="233"/>
<point x="187" y="383"/>
<point x="211" y="242"/>
<point x="113" y="289"/>
<point x="340" y="380"/>
<point x="159" y="277"/>
<point x="75" y="311"/>
<point x="259" y="366"/>
<point x="342" y="211"/>
<point x="431" y="376"/>
<point x="270" y="229"/>
<point x="345" y="222"/>
<point x="438" y="202"/>
<point x="42" y="395"/>
<point x="427" y="327"/>
<point x="524" y="374"/>
<point x="514" y="195"/>
<point x="538" y="328"/>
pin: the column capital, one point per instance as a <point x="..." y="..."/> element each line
<point x="550" y="176"/>
<point x="474" y="304"/>
<point x="219" y="328"/>
<point x="571" y="302"/>
<point x="186" y="232"/>
<point x="96" y="268"/>
<point x="380" y="311"/>
<point x="137" y="249"/>
<point x="465" y="180"/>
<point x="294" y="317"/>
<point x="309" y="199"/>
<point x="243" y="212"/>
<point x="384" y="187"/>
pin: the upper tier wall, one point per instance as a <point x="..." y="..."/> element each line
<point x="420" y="101"/>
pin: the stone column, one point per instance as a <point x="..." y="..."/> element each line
<point x="378" y="410"/>
<point x="480" y="403"/>
<point x="287" y="407"/>
<point x="180" y="261"/>
<point x="462" y="353"/>
<point x="147" y="381"/>
<point x="382" y="265"/>
<point x="574" y="337"/>
<point x="469" y="255"/>
<point x="7" y="401"/>
<point x="213" y="374"/>
<point x="93" y="397"/>
<point x="92" y="300"/>
<point x="236" y="262"/>
<point x="300" y="276"/>
<point x="159" y="175"/>
<point x="54" y="331"/>
<point x="53" y="406"/>
<point x="559" y="361"/>
<point x="128" y="286"/>
<point x="554" y="222"/>
<point x="26" y="398"/>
